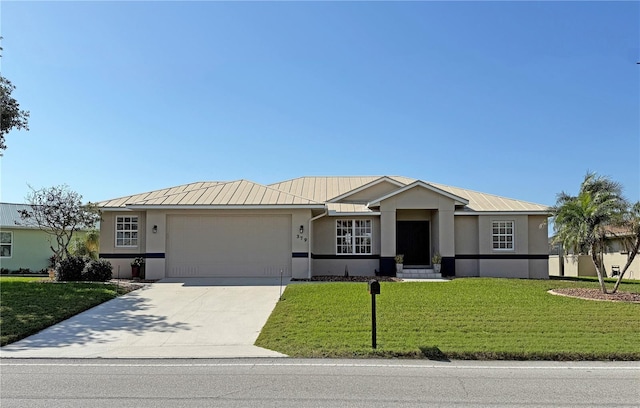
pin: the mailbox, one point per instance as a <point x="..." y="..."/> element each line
<point x="374" y="287"/>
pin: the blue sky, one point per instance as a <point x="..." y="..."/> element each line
<point x="511" y="98"/>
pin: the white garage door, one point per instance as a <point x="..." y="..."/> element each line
<point x="228" y="246"/>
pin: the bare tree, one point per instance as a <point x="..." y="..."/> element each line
<point x="59" y="212"/>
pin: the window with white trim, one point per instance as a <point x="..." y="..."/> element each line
<point x="353" y="237"/>
<point x="126" y="231"/>
<point x="502" y="235"/>
<point x="6" y="244"/>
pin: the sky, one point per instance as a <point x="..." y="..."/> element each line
<point x="517" y="99"/>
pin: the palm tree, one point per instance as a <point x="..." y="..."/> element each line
<point x="581" y="222"/>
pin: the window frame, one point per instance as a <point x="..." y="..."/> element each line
<point x="506" y="235"/>
<point x="356" y="241"/>
<point x="9" y="244"/>
<point x="124" y="231"/>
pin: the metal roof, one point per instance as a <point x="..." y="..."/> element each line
<point x="10" y="217"/>
<point x="207" y="194"/>
<point x="306" y="191"/>
<point x="323" y="189"/>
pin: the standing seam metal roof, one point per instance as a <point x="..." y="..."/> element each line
<point x="301" y="191"/>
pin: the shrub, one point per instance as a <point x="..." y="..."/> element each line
<point x="98" y="271"/>
<point x="70" y="268"/>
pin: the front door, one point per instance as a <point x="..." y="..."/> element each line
<point x="412" y="240"/>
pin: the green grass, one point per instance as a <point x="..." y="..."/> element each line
<point x="475" y="318"/>
<point x="27" y="305"/>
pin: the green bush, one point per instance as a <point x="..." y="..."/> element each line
<point x="70" y="269"/>
<point x="97" y="271"/>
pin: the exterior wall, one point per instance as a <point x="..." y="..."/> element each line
<point x="583" y="266"/>
<point x="554" y="265"/>
<point x="504" y="268"/>
<point x="325" y="260"/>
<point x="538" y="245"/>
<point x="419" y="199"/>
<point x="475" y="255"/>
<point x="620" y="259"/>
<point x="467" y="242"/>
<point x="30" y="250"/>
<point x="119" y="257"/>
<point x="336" y="267"/>
<point x="579" y="265"/>
<point x="153" y="246"/>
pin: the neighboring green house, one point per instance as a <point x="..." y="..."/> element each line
<point x="21" y="246"/>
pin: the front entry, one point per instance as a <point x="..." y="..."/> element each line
<point x="412" y="240"/>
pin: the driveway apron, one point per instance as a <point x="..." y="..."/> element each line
<point x="172" y="318"/>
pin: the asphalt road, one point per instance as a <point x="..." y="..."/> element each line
<point x="316" y="383"/>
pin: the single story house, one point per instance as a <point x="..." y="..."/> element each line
<point x="312" y="226"/>
<point x="21" y="246"/>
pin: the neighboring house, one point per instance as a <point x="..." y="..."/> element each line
<point x="323" y="225"/>
<point x="614" y="259"/>
<point x="21" y="246"/>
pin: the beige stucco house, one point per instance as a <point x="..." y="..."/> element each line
<point x="323" y="226"/>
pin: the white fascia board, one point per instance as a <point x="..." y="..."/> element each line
<point x="502" y="213"/>
<point x="364" y="187"/>
<point x="347" y="214"/>
<point x="107" y="209"/>
<point x="226" y="207"/>
<point x="458" y="200"/>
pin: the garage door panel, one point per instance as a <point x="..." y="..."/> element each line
<point x="212" y="246"/>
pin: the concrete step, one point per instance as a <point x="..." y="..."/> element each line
<point x="418" y="274"/>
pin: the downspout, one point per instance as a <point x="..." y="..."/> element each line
<point x="310" y="237"/>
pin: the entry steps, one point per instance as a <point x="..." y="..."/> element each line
<point x="408" y="273"/>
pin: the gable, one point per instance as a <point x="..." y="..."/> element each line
<point x="369" y="191"/>
<point x="419" y="195"/>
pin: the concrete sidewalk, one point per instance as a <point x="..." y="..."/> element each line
<point x="172" y="318"/>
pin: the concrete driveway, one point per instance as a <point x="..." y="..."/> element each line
<point x="172" y="318"/>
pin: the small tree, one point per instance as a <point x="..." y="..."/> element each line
<point x="59" y="212"/>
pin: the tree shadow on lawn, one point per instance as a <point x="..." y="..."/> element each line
<point x="101" y="324"/>
<point x="434" y="353"/>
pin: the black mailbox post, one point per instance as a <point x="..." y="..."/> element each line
<point x="374" y="289"/>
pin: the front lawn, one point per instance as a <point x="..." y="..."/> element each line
<point x="474" y="318"/>
<point x="27" y="305"/>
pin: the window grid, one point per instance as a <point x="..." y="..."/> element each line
<point x="353" y="237"/>
<point x="6" y="244"/>
<point x="126" y="231"/>
<point x="502" y="235"/>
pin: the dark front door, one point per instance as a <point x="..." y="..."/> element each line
<point x="412" y="240"/>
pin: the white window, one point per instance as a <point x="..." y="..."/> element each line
<point x="353" y="237"/>
<point x="126" y="231"/>
<point x="6" y="244"/>
<point x="502" y="235"/>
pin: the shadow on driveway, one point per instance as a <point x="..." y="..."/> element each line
<point x="101" y="324"/>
